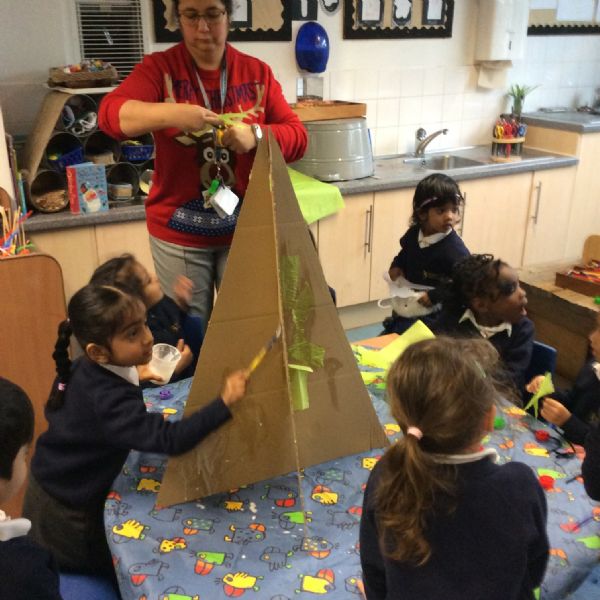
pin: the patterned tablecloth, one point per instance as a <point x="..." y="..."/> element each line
<point x="258" y="541"/>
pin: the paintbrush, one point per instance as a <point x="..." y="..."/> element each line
<point x="264" y="350"/>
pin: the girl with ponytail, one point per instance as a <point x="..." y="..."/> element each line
<point x="440" y="518"/>
<point x="96" y="415"/>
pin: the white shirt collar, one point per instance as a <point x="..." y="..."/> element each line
<point x="12" y="528"/>
<point x="459" y="459"/>
<point x="128" y="373"/>
<point x="486" y="332"/>
<point x="596" y="367"/>
<point x="430" y="240"/>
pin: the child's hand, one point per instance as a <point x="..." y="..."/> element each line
<point x="234" y="387"/>
<point x="395" y="272"/>
<point x="146" y="374"/>
<point x="182" y="291"/>
<point x="424" y="299"/>
<point x="187" y="356"/>
<point x="534" y="385"/>
<point x="554" y="412"/>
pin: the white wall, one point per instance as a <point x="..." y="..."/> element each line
<point x="405" y="83"/>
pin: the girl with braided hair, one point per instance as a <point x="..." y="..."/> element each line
<point x="486" y="300"/>
<point x="440" y="519"/>
<point x="96" y="415"/>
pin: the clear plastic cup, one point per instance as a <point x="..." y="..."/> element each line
<point x="164" y="360"/>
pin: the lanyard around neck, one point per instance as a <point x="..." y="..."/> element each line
<point x="223" y="86"/>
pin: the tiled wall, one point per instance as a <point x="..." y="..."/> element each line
<point x="406" y="84"/>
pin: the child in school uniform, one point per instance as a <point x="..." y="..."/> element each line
<point x="166" y="316"/>
<point x="96" y="415"/>
<point x="431" y="246"/>
<point x="486" y="300"/>
<point x="440" y="519"/>
<point x="577" y="409"/>
<point x="26" y="569"/>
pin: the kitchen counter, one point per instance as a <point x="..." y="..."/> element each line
<point x="579" y="122"/>
<point x="391" y="172"/>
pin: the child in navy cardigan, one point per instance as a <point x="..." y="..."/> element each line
<point x="440" y="519"/>
<point x="431" y="246"/>
<point x="577" y="409"/>
<point x="486" y="300"/>
<point x="167" y="317"/>
<point x="96" y="415"/>
<point x="26" y="569"/>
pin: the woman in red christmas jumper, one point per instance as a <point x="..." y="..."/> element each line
<point x="181" y="95"/>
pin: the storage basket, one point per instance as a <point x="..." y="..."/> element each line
<point x="63" y="149"/>
<point x="136" y="153"/>
<point x="82" y="79"/>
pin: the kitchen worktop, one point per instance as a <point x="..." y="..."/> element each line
<point x="391" y="172"/>
<point x="581" y="122"/>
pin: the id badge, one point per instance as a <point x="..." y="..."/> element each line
<point x="224" y="201"/>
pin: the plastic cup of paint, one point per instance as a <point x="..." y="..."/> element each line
<point x="164" y="360"/>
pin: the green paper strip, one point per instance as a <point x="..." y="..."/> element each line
<point x="299" y="385"/>
<point x="546" y="387"/>
<point x="315" y="198"/>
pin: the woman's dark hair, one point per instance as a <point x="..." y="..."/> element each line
<point x="475" y="276"/>
<point x="16" y="424"/>
<point x="96" y="314"/>
<point x="445" y="388"/>
<point x="227" y="4"/>
<point x="121" y="272"/>
<point x="434" y="191"/>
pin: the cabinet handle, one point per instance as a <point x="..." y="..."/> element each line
<point x="368" y="229"/>
<point x="534" y="217"/>
<point x="464" y="212"/>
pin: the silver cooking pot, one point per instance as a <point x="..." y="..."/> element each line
<point x="338" y="150"/>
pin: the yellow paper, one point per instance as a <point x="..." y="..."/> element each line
<point x="383" y="359"/>
<point x="546" y="388"/>
<point x="370" y="377"/>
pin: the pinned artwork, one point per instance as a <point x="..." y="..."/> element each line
<point x="368" y="19"/>
<point x="306" y="402"/>
<point x="251" y="20"/>
<point x="304" y="10"/>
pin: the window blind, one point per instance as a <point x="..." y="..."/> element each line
<point x="111" y="30"/>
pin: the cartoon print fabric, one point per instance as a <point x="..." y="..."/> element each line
<point x="262" y="543"/>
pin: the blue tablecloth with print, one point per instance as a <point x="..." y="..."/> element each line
<point x="257" y="541"/>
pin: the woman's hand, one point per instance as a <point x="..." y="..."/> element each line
<point x="186" y="359"/>
<point x="239" y="138"/>
<point x="554" y="412"/>
<point x="234" y="387"/>
<point x="534" y="385"/>
<point x="182" y="291"/>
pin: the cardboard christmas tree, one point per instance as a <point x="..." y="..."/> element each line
<point x="306" y="402"/>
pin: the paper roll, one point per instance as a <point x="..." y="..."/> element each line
<point x="493" y="73"/>
<point x="6" y="180"/>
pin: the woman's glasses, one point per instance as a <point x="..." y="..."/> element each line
<point x="213" y="16"/>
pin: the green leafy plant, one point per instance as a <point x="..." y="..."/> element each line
<point x="518" y="94"/>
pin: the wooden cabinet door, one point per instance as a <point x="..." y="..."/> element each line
<point x="494" y="216"/>
<point x="549" y="210"/>
<point x="74" y="250"/>
<point x="121" y="238"/>
<point x="345" y="243"/>
<point x="391" y="216"/>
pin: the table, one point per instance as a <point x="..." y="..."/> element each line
<point x="563" y="318"/>
<point x="258" y="540"/>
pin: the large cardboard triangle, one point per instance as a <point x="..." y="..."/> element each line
<point x="266" y="436"/>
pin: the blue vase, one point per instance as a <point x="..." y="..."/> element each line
<point x="312" y="47"/>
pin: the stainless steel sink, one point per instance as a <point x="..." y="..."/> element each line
<point x="442" y="162"/>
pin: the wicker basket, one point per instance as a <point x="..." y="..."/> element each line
<point x="82" y="79"/>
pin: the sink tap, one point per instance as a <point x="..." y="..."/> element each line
<point x="423" y="139"/>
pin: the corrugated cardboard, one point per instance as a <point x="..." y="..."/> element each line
<point x="335" y="109"/>
<point x="266" y="437"/>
